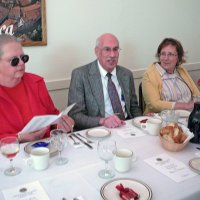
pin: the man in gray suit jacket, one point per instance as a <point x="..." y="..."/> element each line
<point x="88" y="88"/>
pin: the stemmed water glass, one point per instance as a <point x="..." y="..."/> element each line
<point x="59" y="141"/>
<point x="9" y="148"/>
<point x="106" y="150"/>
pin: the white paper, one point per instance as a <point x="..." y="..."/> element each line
<point x="129" y="131"/>
<point x="42" y="121"/>
<point x="171" y="167"/>
<point x="28" y="191"/>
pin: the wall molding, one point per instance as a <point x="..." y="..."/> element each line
<point x="62" y="84"/>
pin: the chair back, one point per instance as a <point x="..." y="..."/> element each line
<point x="141" y="99"/>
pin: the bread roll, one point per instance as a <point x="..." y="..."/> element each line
<point x="173" y="133"/>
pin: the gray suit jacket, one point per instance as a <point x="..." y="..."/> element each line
<point x="86" y="91"/>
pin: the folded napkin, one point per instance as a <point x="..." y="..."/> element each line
<point x="127" y="193"/>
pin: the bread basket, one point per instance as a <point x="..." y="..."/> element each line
<point x="171" y="146"/>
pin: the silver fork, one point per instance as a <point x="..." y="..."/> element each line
<point x="75" y="142"/>
<point x="87" y="140"/>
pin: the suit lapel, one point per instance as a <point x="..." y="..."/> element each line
<point x="96" y="86"/>
<point x="124" y="83"/>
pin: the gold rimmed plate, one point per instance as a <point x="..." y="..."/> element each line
<point x="108" y="190"/>
<point x="41" y="143"/>
<point x="195" y="164"/>
<point x="98" y="133"/>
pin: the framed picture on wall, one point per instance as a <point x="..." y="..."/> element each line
<point x="24" y="19"/>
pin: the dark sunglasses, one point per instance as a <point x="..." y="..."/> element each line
<point x="15" y="61"/>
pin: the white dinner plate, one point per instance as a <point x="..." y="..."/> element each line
<point x="108" y="190"/>
<point x="137" y="120"/>
<point x="41" y="143"/>
<point x="98" y="133"/>
<point x="195" y="165"/>
<point x="183" y="113"/>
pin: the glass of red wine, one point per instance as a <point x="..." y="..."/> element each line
<point x="9" y="148"/>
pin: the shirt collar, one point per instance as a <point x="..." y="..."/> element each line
<point x="163" y="72"/>
<point x="103" y="72"/>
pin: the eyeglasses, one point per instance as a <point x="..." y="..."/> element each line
<point x="170" y="55"/>
<point x="15" y="60"/>
<point x="108" y="50"/>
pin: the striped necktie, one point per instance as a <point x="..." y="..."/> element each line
<point x="114" y="98"/>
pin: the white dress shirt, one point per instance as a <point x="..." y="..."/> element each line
<point x="104" y="79"/>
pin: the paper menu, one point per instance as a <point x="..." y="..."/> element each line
<point x="28" y="191"/>
<point x="42" y="121"/>
<point x="129" y="131"/>
<point x="170" y="167"/>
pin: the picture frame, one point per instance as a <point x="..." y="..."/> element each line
<point x="25" y="20"/>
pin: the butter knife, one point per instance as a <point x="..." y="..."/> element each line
<point x="85" y="143"/>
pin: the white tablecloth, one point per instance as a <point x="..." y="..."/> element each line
<point x="80" y="175"/>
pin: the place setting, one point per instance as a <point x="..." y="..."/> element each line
<point x="78" y="140"/>
<point x="120" y="188"/>
<point x="126" y="188"/>
<point x="150" y="125"/>
<point x="89" y="138"/>
<point x="39" y="153"/>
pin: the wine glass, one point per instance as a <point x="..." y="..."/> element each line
<point x="106" y="150"/>
<point x="9" y="148"/>
<point x="169" y="116"/>
<point x="59" y="141"/>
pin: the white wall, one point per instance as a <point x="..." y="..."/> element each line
<point x="74" y="25"/>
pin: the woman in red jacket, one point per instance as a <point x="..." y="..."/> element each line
<point x="22" y="95"/>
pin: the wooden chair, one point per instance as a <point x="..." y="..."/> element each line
<point x="141" y="99"/>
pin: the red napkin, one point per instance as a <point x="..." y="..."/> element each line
<point x="127" y="193"/>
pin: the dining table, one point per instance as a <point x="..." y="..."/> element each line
<point x="79" y="177"/>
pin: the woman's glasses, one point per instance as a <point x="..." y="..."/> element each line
<point x="15" y="60"/>
<point x="169" y="55"/>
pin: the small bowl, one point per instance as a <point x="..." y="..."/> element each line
<point x="176" y="146"/>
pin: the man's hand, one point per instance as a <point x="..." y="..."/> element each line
<point x="111" y="122"/>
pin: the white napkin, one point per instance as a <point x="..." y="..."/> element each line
<point x="190" y="135"/>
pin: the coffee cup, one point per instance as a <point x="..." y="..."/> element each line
<point x="39" y="158"/>
<point x="123" y="160"/>
<point x="152" y="126"/>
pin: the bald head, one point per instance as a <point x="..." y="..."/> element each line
<point x="106" y="37"/>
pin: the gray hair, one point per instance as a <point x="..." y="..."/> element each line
<point x="5" y="39"/>
<point x="97" y="42"/>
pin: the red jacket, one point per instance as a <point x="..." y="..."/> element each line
<point x="11" y="121"/>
